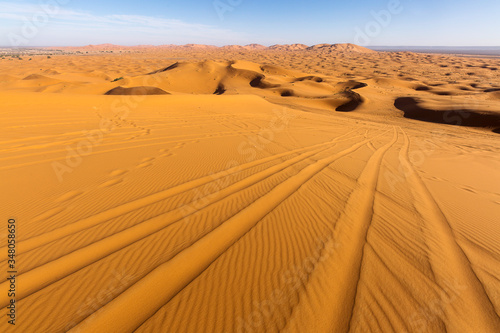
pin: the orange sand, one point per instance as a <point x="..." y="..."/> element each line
<point x="294" y="189"/>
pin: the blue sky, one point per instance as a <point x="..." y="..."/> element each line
<point x="223" y="22"/>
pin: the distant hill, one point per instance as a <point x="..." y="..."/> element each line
<point x="288" y="47"/>
<point x="347" y="47"/>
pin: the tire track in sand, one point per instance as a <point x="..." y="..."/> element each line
<point x="34" y="242"/>
<point x="337" y="276"/>
<point x="448" y="260"/>
<point x="129" y="310"/>
<point x="52" y="271"/>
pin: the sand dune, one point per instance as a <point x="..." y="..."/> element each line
<point x="255" y="47"/>
<point x="288" y="47"/>
<point x="142" y="90"/>
<point x="252" y="189"/>
<point x="345" y="47"/>
<point x="340" y="48"/>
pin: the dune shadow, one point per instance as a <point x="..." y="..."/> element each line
<point x="309" y="78"/>
<point x="422" y="88"/>
<point x="165" y="69"/>
<point x="459" y="117"/>
<point x="258" y="82"/>
<point x="353" y="85"/>
<point x="443" y="93"/>
<point x="220" y="89"/>
<point x="141" y="90"/>
<point x="287" y="93"/>
<point x="355" y="101"/>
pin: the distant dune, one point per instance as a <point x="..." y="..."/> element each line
<point x="278" y="47"/>
<point x="255" y="47"/>
<point x="341" y="48"/>
<point x="366" y="91"/>
<point x="288" y="47"/>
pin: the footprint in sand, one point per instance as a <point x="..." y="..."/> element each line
<point x="48" y="214"/>
<point x="180" y="145"/>
<point x="468" y="189"/>
<point x="165" y="152"/>
<point x="146" y="162"/>
<point x="111" y="183"/>
<point x="144" y="165"/>
<point x="118" y="172"/>
<point x="68" y="196"/>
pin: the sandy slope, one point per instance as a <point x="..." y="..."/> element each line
<point x="252" y="191"/>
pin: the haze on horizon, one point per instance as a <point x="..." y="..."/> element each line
<point x="223" y="22"/>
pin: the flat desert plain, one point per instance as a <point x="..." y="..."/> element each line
<point x="202" y="189"/>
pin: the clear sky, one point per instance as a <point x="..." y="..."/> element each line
<point x="223" y="22"/>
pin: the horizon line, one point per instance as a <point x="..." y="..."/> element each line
<point x="243" y="45"/>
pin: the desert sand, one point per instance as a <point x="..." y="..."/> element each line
<point x="252" y="189"/>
